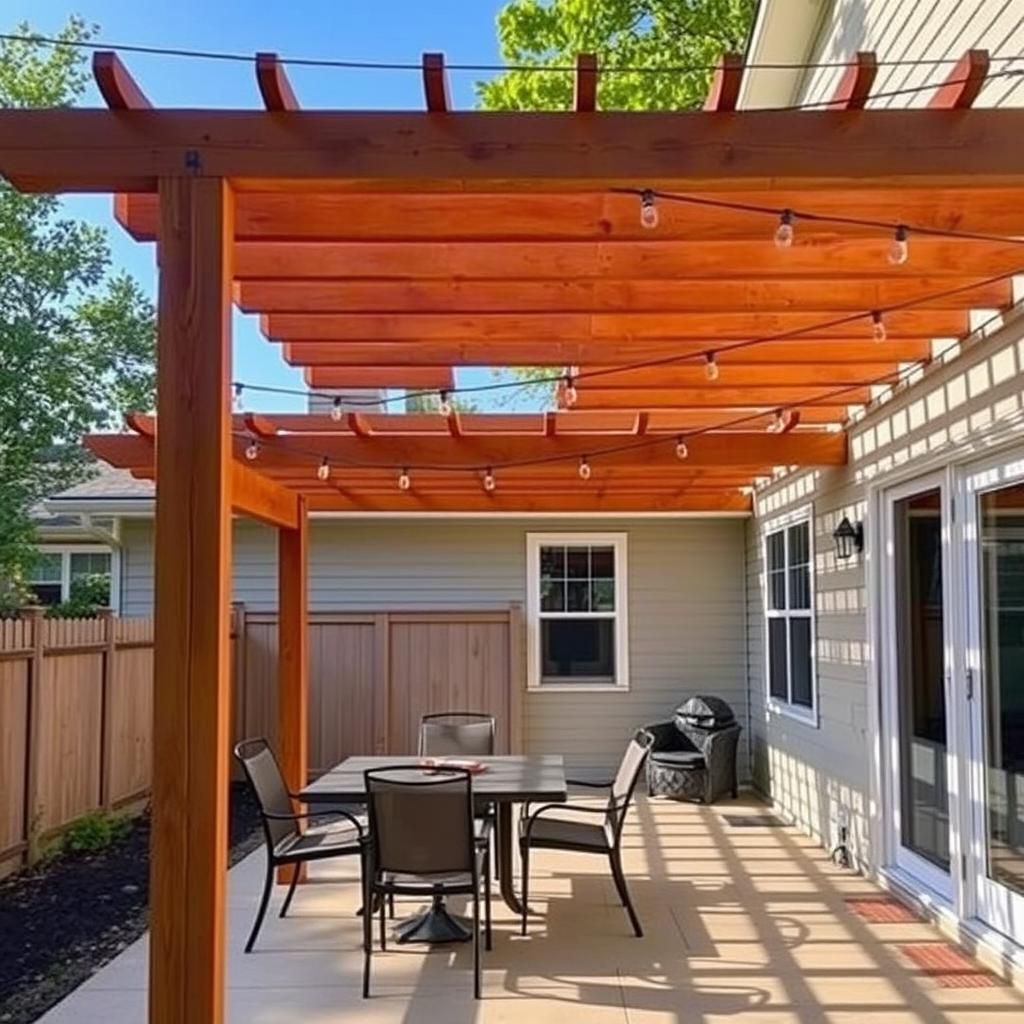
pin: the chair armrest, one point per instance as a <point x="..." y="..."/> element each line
<point x="323" y="814"/>
<point x="590" y="785"/>
<point x="603" y="811"/>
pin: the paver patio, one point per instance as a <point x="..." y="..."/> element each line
<point x="749" y="924"/>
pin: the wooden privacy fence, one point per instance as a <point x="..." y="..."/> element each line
<point x="76" y="700"/>
<point x="373" y="674"/>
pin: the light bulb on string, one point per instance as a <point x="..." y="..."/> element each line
<point x="323" y="471"/>
<point x="784" y="232"/>
<point x="336" y="410"/>
<point x="252" y="452"/>
<point x="444" y="405"/>
<point x="878" y="331"/>
<point x="898" y="247"/>
<point x="584" y="468"/>
<point x="239" y="390"/>
<point x="569" y="392"/>
<point x="778" y="423"/>
<point x="711" y="368"/>
<point x="404" y="480"/>
<point x="489" y="482"/>
<point x="648" y="210"/>
<point x="681" y="450"/>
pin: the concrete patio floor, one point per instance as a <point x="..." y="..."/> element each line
<point x="744" y="924"/>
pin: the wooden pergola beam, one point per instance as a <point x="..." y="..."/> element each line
<point x="255" y="495"/>
<point x="854" y="88"/>
<point x="118" y="88"/>
<point x="427" y="378"/>
<point x="692" y="375"/>
<point x="272" y="80"/>
<point x="436" y="90"/>
<point x="719" y="397"/>
<point x="587" y="216"/>
<point x="726" y="81"/>
<point x="963" y="83"/>
<point x="76" y="150"/>
<point x="585" y="83"/>
<point x="600" y="353"/>
<point x="620" y="296"/>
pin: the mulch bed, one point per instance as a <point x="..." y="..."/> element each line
<point x="64" y="919"/>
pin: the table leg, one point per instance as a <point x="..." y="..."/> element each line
<point x="506" y="877"/>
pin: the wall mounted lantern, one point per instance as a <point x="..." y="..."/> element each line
<point x="849" y="538"/>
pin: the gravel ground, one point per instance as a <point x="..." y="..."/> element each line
<point x="64" y="919"/>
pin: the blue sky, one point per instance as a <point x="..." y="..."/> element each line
<point x="385" y="30"/>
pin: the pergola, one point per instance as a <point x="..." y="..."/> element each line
<point x="383" y="249"/>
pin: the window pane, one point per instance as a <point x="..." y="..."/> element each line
<point x="552" y="595"/>
<point x="777" y="658"/>
<point x="800" y="587"/>
<point x="776" y="551"/>
<point x="777" y="590"/>
<point x="800" y="662"/>
<point x="602" y="596"/>
<point x="46" y="593"/>
<point x="577" y="563"/>
<point x="602" y="563"/>
<point x="578" y="650"/>
<point x="552" y="562"/>
<point x="799" y="544"/>
<point x="46" y="569"/>
<point x="88" y="563"/>
<point x="577" y="596"/>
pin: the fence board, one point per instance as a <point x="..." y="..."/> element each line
<point x="13" y="745"/>
<point x="130" y="737"/>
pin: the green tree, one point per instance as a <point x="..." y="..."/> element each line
<point x="671" y="34"/>
<point x="76" y="337"/>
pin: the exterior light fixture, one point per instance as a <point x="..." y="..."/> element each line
<point x="849" y="538"/>
<point x="898" y="248"/>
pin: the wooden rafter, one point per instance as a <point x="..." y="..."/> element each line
<point x="963" y="83"/>
<point x="854" y="88"/>
<point x="415" y="377"/>
<point x="272" y="79"/>
<point x="436" y="90"/>
<point x="725" y="83"/>
<point x="118" y="88"/>
<point x="585" y="83"/>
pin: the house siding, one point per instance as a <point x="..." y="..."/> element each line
<point x="686" y="587"/>
<point x="964" y="410"/>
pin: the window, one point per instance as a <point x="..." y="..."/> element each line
<point x="56" y="569"/>
<point x="576" y="611"/>
<point x="789" y="611"/>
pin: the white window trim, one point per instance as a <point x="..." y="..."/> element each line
<point x="534" y="542"/>
<point x="67" y="550"/>
<point x="808" y="716"/>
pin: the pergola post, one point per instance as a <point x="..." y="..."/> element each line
<point x="192" y="604"/>
<point x="293" y="655"/>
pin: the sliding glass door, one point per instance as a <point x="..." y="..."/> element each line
<point x="917" y="682"/>
<point x="994" y="546"/>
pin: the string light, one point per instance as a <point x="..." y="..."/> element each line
<point x="323" y="471"/>
<point x="778" y="423"/>
<point x="404" y="480"/>
<point x="878" y="331"/>
<point x="784" y="232"/>
<point x="239" y="389"/>
<point x="336" y="410"/>
<point x="569" y="392"/>
<point x="648" y="210"/>
<point x="584" y="469"/>
<point x="898" y="248"/>
<point x="681" y="450"/>
<point x="711" y="368"/>
<point x="252" y="452"/>
<point x="444" y="405"/>
<point x="489" y="482"/>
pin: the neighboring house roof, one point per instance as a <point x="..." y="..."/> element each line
<point x="111" y="491"/>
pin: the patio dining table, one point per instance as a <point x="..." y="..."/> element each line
<point x="506" y="780"/>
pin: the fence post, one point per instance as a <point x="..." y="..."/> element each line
<point x="34" y="616"/>
<point x="515" y="678"/>
<point x="106" y="705"/>
<point x="382" y="687"/>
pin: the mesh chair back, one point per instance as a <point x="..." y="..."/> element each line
<point x="264" y="775"/>
<point x="421" y="823"/>
<point x="626" y="779"/>
<point x="462" y="733"/>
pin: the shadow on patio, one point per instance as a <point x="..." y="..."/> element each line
<point x="742" y="923"/>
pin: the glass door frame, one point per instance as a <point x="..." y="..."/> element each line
<point x="994" y="904"/>
<point x="916" y="867"/>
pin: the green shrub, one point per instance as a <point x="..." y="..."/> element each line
<point x="94" y="832"/>
<point x="88" y="595"/>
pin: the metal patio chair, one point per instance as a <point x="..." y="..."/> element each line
<point x="286" y="843"/>
<point x="457" y="733"/>
<point x="423" y="840"/>
<point x="544" y="829"/>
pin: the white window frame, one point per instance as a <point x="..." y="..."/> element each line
<point x="807" y="715"/>
<point x="534" y="543"/>
<point x="67" y="550"/>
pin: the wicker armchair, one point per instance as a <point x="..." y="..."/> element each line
<point x="693" y="756"/>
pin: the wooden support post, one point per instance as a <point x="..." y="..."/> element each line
<point x="192" y="684"/>
<point x="293" y="657"/>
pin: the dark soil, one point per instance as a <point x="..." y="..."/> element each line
<point x="64" y="919"/>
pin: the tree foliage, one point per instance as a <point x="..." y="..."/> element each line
<point x="76" y="338"/>
<point x="685" y="36"/>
